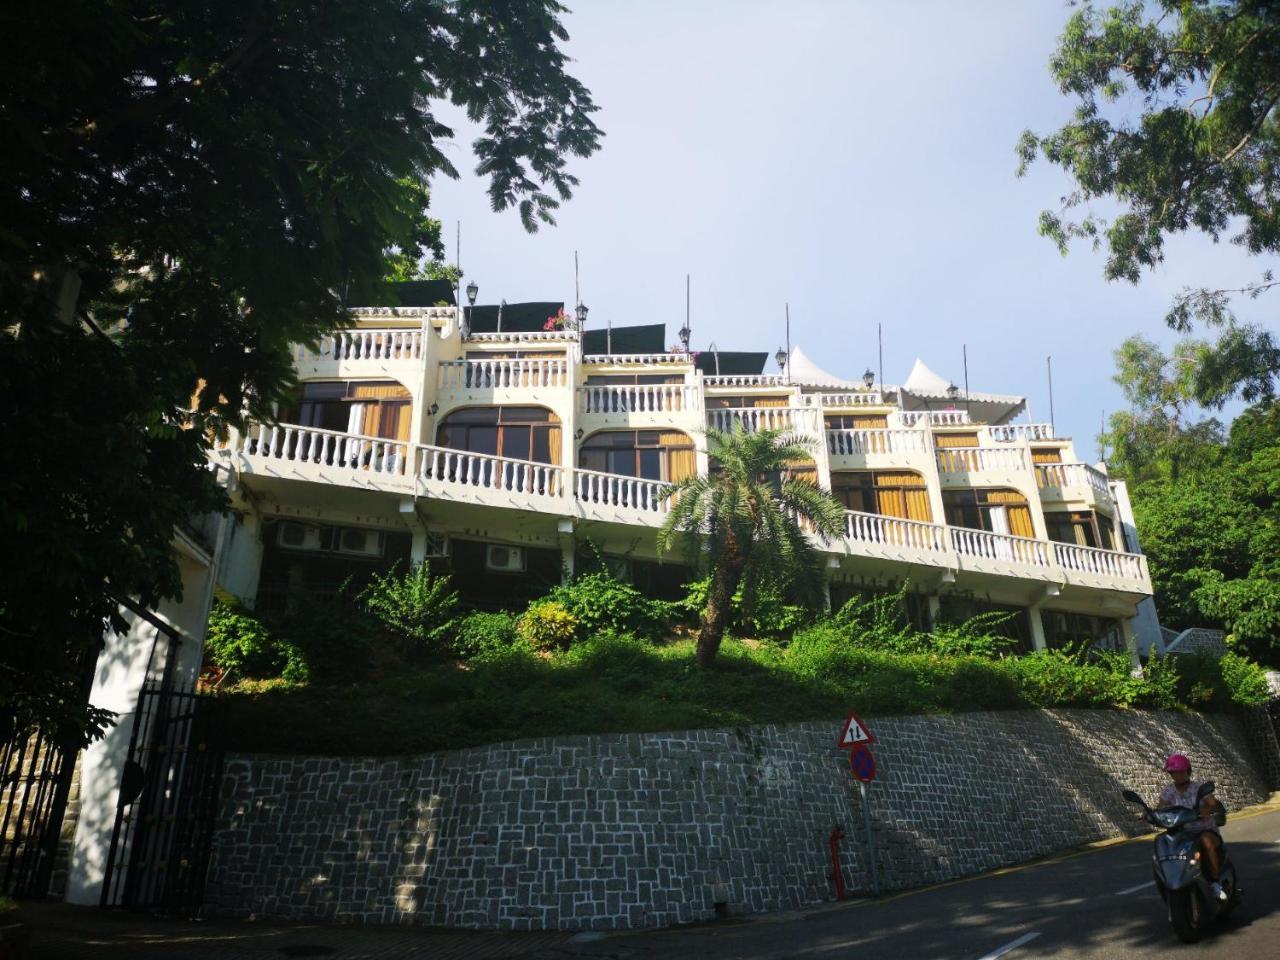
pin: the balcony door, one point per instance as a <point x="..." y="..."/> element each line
<point x="889" y="493"/>
<point x="515" y="433"/>
<point x="663" y="455"/>
<point x="995" y="510"/>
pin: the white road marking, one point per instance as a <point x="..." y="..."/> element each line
<point x="1011" y="945"/>
<point x="1141" y="886"/>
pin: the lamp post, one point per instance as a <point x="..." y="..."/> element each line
<point x="868" y="378"/>
<point x="580" y="315"/>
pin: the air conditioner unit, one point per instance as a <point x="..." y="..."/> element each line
<point x="298" y="536"/>
<point x="364" y="543"/>
<point x="437" y="545"/>
<point x="500" y="559"/>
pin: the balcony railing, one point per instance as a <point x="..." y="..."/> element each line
<point x="328" y="448"/>
<point x="527" y="336"/>
<point x="461" y="467"/>
<point x="938" y="418"/>
<point x="365" y="344"/>
<point x="871" y="398"/>
<point x="503" y="374"/>
<point x="614" y="490"/>
<point x="1001" y="547"/>
<point x="639" y="398"/>
<point x="753" y="419"/>
<point x="1107" y="563"/>
<point x="959" y="460"/>
<point x="1059" y="475"/>
<point x="635" y="359"/>
<point x="872" y="528"/>
<point x="1014" y="432"/>
<point x="861" y="442"/>
<point x="744" y="380"/>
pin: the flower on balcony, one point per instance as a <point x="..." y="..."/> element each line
<point x="557" y="322"/>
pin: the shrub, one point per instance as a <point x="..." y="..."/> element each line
<point x="1246" y="680"/>
<point x="329" y="638"/>
<point x="419" y="609"/>
<point x="600" y="602"/>
<point x="482" y="634"/>
<point x="547" y="625"/>
<point x="240" y="644"/>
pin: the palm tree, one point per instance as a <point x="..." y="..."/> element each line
<point x="749" y="522"/>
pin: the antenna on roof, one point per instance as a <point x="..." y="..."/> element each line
<point x="577" y="293"/>
<point x="964" y="347"/>
<point x="788" y="371"/>
<point x="880" y="344"/>
<point x="502" y="303"/>
<point x="1048" y="363"/>
<point x="457" y="264"/>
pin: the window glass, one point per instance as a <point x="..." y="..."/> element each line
<point x="525" y="415"/>
<point x="541" y="445"/>
<point x="622" y="462"/>
<point x="482" y="440"/>
<point x="650" y="463"/>
<point x="515" y="442"/>
<point x="594" y="460"/>
<point x="648" y="438"/>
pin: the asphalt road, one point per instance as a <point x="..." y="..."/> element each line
<point x="1095" y="905"/>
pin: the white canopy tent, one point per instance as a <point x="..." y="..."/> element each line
<point x="926" y="390"/>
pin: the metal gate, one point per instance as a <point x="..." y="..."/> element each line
<point x="35" y="781"/>
<point x="163" y="832"/>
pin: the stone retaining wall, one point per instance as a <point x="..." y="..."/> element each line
<point x="644" y="830"/>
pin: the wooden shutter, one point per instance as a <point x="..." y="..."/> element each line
<point x="1051" y="455"/>
<point x="950" y="441"/>
<point x="871" y="422"/>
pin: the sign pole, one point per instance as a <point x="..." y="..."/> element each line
<point x="871" y="840"/>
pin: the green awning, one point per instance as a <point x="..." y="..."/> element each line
<point x="516" y="317"/>
<point x="422" y="293"/>
<point x="648" y="338"/>
<point x="731" y="362"/>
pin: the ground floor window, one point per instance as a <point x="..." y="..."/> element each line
<point x="1062" y="629"/>
<point x="996" y="510"/>
<point x="890" y="493"/>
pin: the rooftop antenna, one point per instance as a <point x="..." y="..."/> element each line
<point x="457" y="265"/>
<point x="964" y="347"/>
<point x="788" y="372"/>
<point x="1102" y="436"/>
<point x="577" y="293"/>
<point x="501" y="303"/>
<point x="1048" y="363"/>
<point x="880" y="344"/>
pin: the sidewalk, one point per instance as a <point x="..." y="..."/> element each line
<point x="63" y="932"/>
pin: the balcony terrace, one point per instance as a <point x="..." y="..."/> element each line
<point x="425" y="471"/>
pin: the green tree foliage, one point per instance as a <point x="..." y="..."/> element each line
<point x="186" y="190"/>
<point x="1212" y="532"/>
<point x="417" y="608"/>
<point x="1199" y="154"/>
<point x="749" y="525"/>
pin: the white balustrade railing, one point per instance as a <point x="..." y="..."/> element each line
<point x="527" y="336"/>
<point x="980" y="459"/>
<point x="639" y="398"/>
<point x="503" y="374"/>
<point x="894" y="531"/>
<point x="856" y="442"/>
<point x="1001" y="546"/>
<point x="370" y="344"/>
<point x="615" y="490"/>
<point x="461" y="467"/>
<point x="870" y="398"/>
<point x="939" y="418"/>
<point x="635" y="359"/>
<point x="1109" y="563"/>
<point x="328" y="448"/>
<point x="744" y="380"/>
<point x="1014" y="432"/>
<point x="1055" y="476"/>
<point x="433" y="313"/>
<point x="753" y="419"/>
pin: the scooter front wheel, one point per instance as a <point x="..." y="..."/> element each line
<point x="1186" y="914"/>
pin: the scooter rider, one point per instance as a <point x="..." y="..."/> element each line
<point x="1182" y="793"/>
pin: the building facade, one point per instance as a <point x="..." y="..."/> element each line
<point x="501" y="442"/>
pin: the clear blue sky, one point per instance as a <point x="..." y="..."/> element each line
<point x="853" y="158"/>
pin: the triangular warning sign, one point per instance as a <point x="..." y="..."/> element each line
<point x="853" y="733"/>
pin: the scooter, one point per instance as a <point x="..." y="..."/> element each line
<point x="1175" y="862"/>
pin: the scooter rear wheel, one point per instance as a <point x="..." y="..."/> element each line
<point x="1186" y="913"/>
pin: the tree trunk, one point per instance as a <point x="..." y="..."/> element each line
<point x="716" y="615"/>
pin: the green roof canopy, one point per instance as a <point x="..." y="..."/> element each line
<point x="422" y="293"/>
<point x="649" y="338"/>
<point x="731" y="362"/>
<point x="516" y="317"/>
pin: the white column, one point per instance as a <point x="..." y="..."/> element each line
<point x="1037" y="627"/>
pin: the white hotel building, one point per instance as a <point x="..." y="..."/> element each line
<point x="501" y="449"/>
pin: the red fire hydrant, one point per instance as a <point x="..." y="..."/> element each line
<point x="836" y="875"/>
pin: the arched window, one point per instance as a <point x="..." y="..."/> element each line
<point x="650" y="454"/>
<point x="517" y="433"/>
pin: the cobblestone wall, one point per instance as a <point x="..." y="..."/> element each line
<point x="654" y="829"/>
<point x="1201" y="642"/>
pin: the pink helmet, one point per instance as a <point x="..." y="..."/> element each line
<point x="1177" y="763"/>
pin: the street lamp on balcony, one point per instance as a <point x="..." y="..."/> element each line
<point x="868" y="378"/>
<point x="781" y="357"/>
<point x="952" y="391"/>
<point x="473" y="291"/>
<point x="580" y="315"/>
